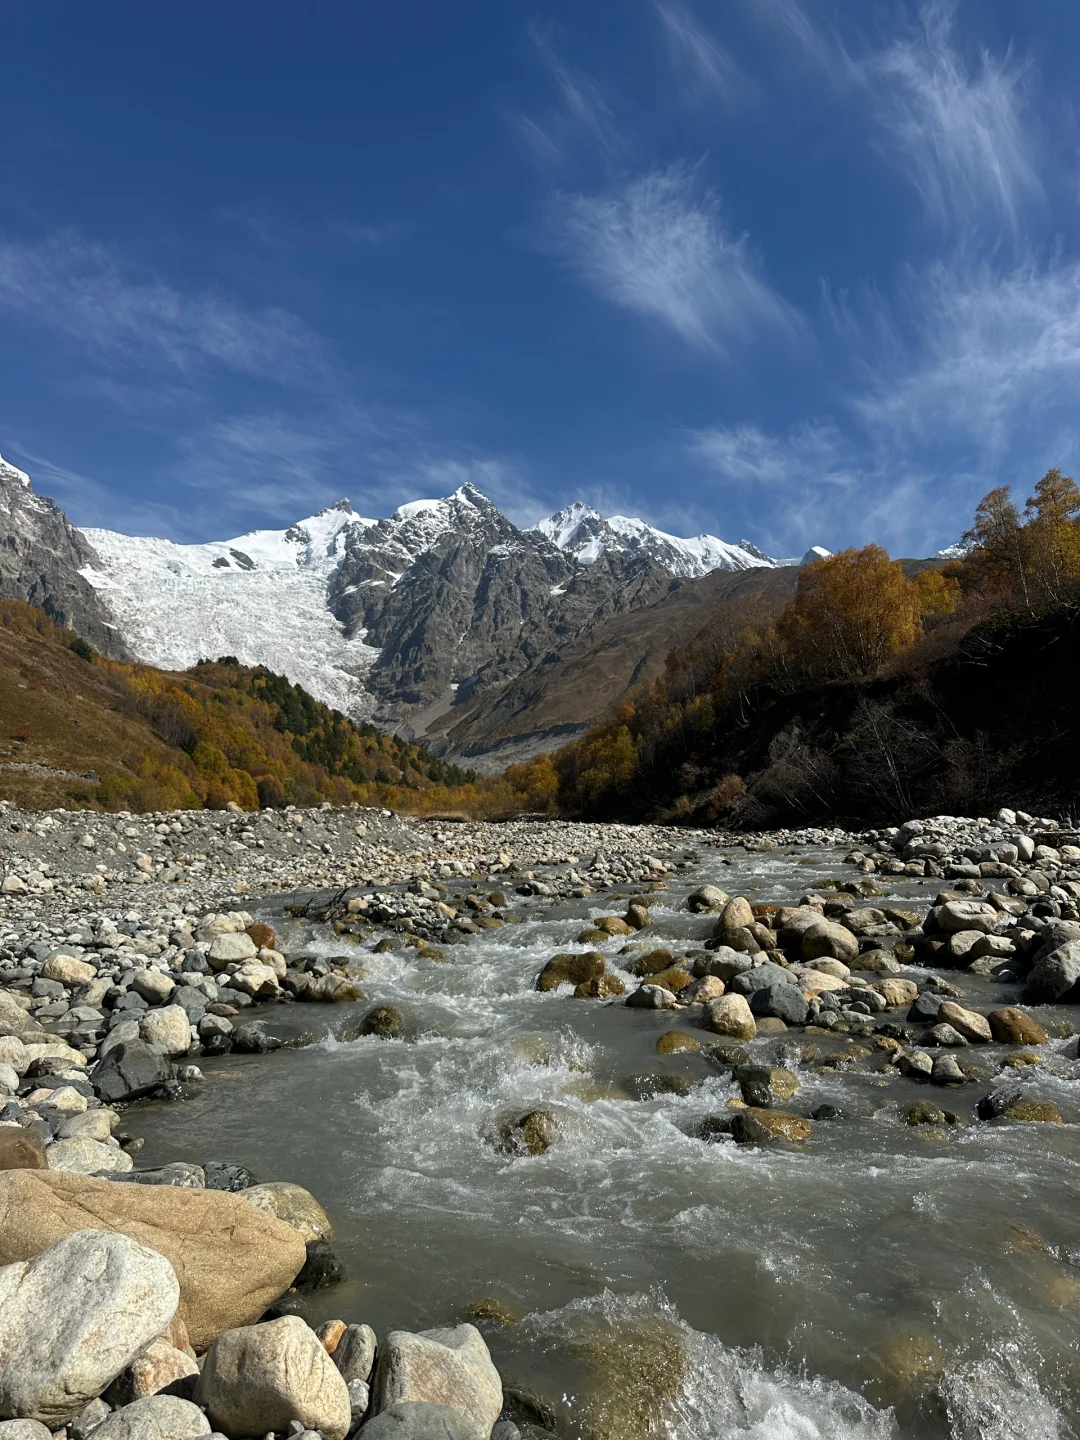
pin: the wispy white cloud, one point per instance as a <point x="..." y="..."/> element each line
<point x="956" y="126"/>
<point x="954" y="123"/>
<point x="583" y="111"/>
<point x="657" y="245"/>
<point x="977" y="387"/>
<point x="820" y="50"/>
<point x="993" y="354"/>
<point x="704" y="65"/>
<point x="89" y="293"/>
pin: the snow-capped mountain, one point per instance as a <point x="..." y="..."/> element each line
<point x="413" y="619"/>
<point x="584" y="533"/>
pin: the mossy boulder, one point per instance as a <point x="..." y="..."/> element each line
<point x="571" y="969"/>
<point x="673" y="979"/>
<point x="652" y="963"/>
<point x="1034" y="1111"/>
<point x="756" y="1126"/>
<point x="385" y="1021"/>
<point x="673" y="1041"/>
<point x="761" y="1085"/>
<point x="601" y="987"/>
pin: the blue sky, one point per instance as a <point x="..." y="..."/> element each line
<point x="800" y="273"/>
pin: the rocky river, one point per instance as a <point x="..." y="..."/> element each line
<point x="707" y="1136"/>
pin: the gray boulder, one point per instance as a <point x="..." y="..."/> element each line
<point x="417" y="1421"/>
<point x="1054" y="975"/>
<point x="129" y="1071"/>
<point x="158" y="1417"/>
<point x="24" y="1430"/>
<point x="74" y="1317"/>
<point x="263" y="1377"/>
<point x="355" y="1353"/>
<point x="446" y="1367"/>
<point x="957" y="915"/>
<point x="780" y="1002"/>
<point x="760" y="977"/>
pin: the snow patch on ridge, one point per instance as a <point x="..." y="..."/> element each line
<point x="584" y="533"/>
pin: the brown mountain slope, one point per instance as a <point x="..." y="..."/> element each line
<point x="562" y="693"/>
<point x="78" y="730"/>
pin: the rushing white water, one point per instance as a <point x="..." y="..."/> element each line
<point x="877" y="1281"/>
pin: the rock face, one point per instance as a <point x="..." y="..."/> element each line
<point x="40" y="561"/>
<point x="231" y="1260"/>
<point x="75" y="1316"/>
<point x="263" y="1377"/>
<point x="448" y="1367"/>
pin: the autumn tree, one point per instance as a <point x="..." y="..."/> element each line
<point x="1052" y="536"/>
<point x="851" y="612"/>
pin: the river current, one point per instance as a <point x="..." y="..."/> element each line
<point x="876" y="1281"/>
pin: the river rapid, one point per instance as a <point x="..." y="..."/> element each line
<point x="877" y="1280"/>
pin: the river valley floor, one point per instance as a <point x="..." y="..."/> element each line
<point x="709" y="1136"/>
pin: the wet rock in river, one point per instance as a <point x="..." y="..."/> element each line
<point x="971" y="1025"/>
<point x="1013" y="1026"/>
<point x="651" y="997"/>
<point x="571" y="969"/>
<point x="130" y="1070"/>
<point x="674" y="979"/>
<point x="610" y="925"/>
<point x="674" y="1041"/>
<point x="826" y="938"/>
<point x="730" y="1015"/>
<point x="758" y="1126"/>
<point x="1055" y="975"/>
<point x="925" y="1006"/>
<point x="1040" y="1111"/>
<point x="322" y="1268"/>
<point x="925" y="1112"/>
<point x="637" y="916"/>
<point x="780" y="1002"/>
<point x="385" y="1021"/>
<point x="602" y="987"/>
<point x="637" y="1370"/>
<point x="946" y="1071"/>
<point x="528" y="1134"/>
<point x="943" y="1034"/>
<point x="651" y="963"/>
<point x="916" y="1065"/>
<point x="761" y="1085"/>
<point x="707" y="898"/>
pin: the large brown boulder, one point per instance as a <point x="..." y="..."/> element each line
<point x="231" y="1259"/>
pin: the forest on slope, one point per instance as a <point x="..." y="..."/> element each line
<point x="78" y="730"/>
<point x="881" y="690"/>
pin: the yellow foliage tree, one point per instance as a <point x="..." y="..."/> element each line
<point x="851" y="612"/>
